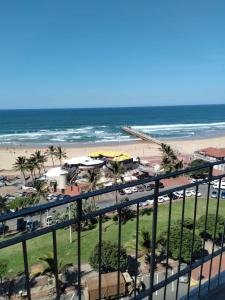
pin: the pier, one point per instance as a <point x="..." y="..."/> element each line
<point x="141" y="135"/>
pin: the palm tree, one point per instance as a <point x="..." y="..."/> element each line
<point x="21" y="165"/>
<point x="170" y="162"/>
<point x="60" y="154"/>
<point x="3" y="205"/>
<point x="41" y="188"/>
<point x="31" y="165"/>
<point x="51" y="151"/>
<point x="93" y="178"/>
<point x="40" y="160"/>
<point x="117" y="169"/>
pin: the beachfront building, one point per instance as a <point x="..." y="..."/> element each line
<point x="212" y="154"/>
<point x="124" y="159"/>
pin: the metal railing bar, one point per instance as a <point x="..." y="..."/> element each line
<point x="119" y="251"/>
<point x="79" y="216"/>
<point x="193" y="239"/>
<point x="181" y="242"/>
<point x="206" y="221"/>
<point x="221" y="254"/>
<point x="175" y="276"/>
<point x="136" y="250"/>
<point x="43" y="207"/>
<point x="55" y="264"/>
<point x="154" y="236"/>
<point x="100" y="258"/>
<point x="26" y="269"/>
<point x="214" y="234"/>
<point x="168" y="245"/>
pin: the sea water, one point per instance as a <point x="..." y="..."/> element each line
<point x="103" y="125"/>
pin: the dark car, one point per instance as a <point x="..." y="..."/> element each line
<point x="147" y="187"/>
<point x="3" y="228"/>
<point x="174" y="196"/>
<point x="223" y="195"/>
<point x="121" y="192"/>
<point x="214" y="194"/>
<point x="21" y="224"/>
<point x="140" y="188"/>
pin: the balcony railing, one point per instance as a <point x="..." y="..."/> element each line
<point x="165" y="272"/>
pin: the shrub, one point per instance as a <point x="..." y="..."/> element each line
<point x="175" y="244"/>
<point x="210" y="227"/>
<point x="188" y="223"/>
<point x="109" y="257"/>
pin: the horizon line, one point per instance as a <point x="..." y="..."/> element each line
<point x="111" y="107"/>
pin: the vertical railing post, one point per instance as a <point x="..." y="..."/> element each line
<point x="26" y="269"/>
<point x="119" y="251"/>
<point x="55" y="264"/>
<point x="79" y="218"/>
<point x="100" y="258"/>
<point x="206" y="221"/>
<point x="136" y="251"/>
<point x="154" y="234"/>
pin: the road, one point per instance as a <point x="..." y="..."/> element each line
<point x="101" y="201"/>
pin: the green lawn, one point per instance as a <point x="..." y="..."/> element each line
<point x="67" y="252"/>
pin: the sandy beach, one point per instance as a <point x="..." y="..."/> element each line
<point x="146" y="150"/>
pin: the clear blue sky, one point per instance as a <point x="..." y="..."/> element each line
<point x="77" y="53"/>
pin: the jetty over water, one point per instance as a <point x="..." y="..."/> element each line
<point x="141" y="135"/>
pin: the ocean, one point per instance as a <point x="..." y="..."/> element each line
<point x="103" y="125"/>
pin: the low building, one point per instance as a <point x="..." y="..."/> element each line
<point x="212" y="154"/>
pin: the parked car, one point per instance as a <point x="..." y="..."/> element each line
<point x="160" y="199"/>
<point x="147" y="187"/>
<point x="21" y="224"/>
<point x="50" y="197"/>
<point x="188" y="193"/>
<point x="140" y="188"/>
<point x="214" y="194"/>
<point x="134" y="189"/>
<point x="223" y="195"/>
<point x="127" y="191"/>
<point x="150" y="202"/>
<point x="175" y="196"/>
<point x="3" y="228"/>
<point x="166" y="198"/>
<point x="121" y="192"/>
<point x="193" y="192"/>
<point x="49" y="220"/>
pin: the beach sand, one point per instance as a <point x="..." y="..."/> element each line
<point x="146" y="150"/>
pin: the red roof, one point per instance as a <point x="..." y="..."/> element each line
<point x="169" y="182"/>
<point x="213" y="152"/>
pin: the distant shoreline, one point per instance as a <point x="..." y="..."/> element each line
<point x="141" y="149"/>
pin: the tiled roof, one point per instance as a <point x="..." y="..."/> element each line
<point x="213" y="152"/>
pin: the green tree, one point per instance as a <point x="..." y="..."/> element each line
<point x="60" y="154"/>
<point x="3" y="205"/>
<point x="40" y="160"/>
<point x="32" y="165"/>
<point x="3" y="269"/>
<point x="170" y="163"/>
<point x="51" y="152"/>
<point x="175" y="243"/>
<point x="49" y="262"/>
<point x="117" y="170"/>
<point x="109" y="257"/>
<point x="210" y="227"/>
<point x="21" y="165"/>
<point x="42" y="188"/>
<point x="199" y="173"/>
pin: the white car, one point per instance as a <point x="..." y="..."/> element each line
<point x="193" y="192"/>
<point x="222" y="186"/>
<point x="178" y="194"/>
<point x="134" y="189"/>
<point x="188" y="193"/>
<point x="150" y="202"/>
<point x="50" y="196"/>
<point x="127" y="191"/>
<point x="166" y="198"/>
<point x="145" y="203"/>
<point x="160" y="199"/>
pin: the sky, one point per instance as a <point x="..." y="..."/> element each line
<point x="85" y="53"/>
